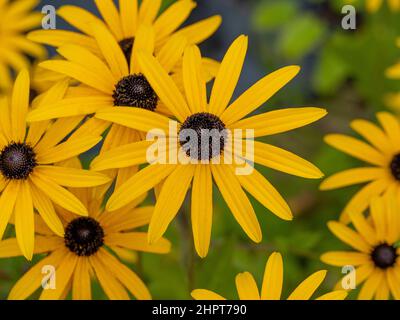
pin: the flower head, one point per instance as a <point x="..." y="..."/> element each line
<point x="375" y="253"/>
<point x="272" y="285"/>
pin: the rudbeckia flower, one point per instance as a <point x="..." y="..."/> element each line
<point x="381" y="153"/>
<point x="30" y="176"/>
<point x="375" y="5"/>
<point x="85" y="251"/>
<point x="124" y="24"/>
<point x="272" y="285"/>
<point x="375" y="253"/>
<point x="16" y="19"/>
<point x="193" y="111"/>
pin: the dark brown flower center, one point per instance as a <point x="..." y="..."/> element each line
<point x="84" y="236"/>
<point x="395" y="166"/>
<point x="384" y="256"/>
<point x="203" y="136"/>
<point x="127" y="45"/>
<point x="135" y="91"/>
<point x="17" y="161"/>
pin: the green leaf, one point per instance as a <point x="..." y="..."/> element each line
<point x="269" y="16"/>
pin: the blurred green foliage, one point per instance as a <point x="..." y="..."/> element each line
<point x="343" y="71"/>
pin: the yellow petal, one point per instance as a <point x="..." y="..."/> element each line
<point x="9" y="248"/>
<point x="261" y="189"/>
<point x="128" y="15"/>
<point x="137" y="241"/>
<point x="81" y="283"/>
<point x="170" y="200"/>
<point x="343" y="258"/>
<point x="273" y="278"/>
<point x="349" y="236"/>
<point x="144" y="42"/>
<point x="140" y="183"/>
<point x="171" y="53"/>
<point x="202" y="294"/>
<point x="305" y="290"/>
<point x="247" y="287"/>
<point x="393" y="278"/>
<point x="228" y="75"/>
<point x="200" y="31"/>
<point x="19" y="105"/>
<point x="285" y="161"/>
<point x="7" y="201"/>
<point x="352" y="176"/>
<point x="110" y="14"/>
<point x="334" y="295"/>
<point x="78" y="18"/>
<point x="237" y="201"/>
<point x="370" y="286"/>
<point x="202" y="209"/>
<point x="59" y="195"/>
<point x="148" y="11"/>
<point x="355" y="148"/>
<point x="126" y="219"/>
<point x="258" y="94"/>
<point x="391" y="126"/>
<point x="363" y="227"/>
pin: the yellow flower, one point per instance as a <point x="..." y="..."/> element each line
<point x="392" y="100"/>
<point x="382" y="153"/>
<point x="194" y="112"/>
<point x="30" y="176"/>
<point x="272" y="285"/>
<point x="16" y="19"/>
<point x="375" y="253"/>
<point x="82" y="252"/>
<point x="124" y="24"/>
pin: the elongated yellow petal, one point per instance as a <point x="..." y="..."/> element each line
<point x="59" y="195"/>
<point x="285" y="161"/>
<point x="393" y="277"/>
<point x="378" y="211"/>
<point x="110" y="14"/>
<point x="32" y="279"/>
<point x="247" y="287"/>
<point x="43" y="244"/>
<point x="135" y="118"/>
<point x="228" y="75"/>
<point x="355" y="148"/>
<point x="164" y="86"/>
<point x="137" y="241"/>
<point x="279" y="121"/>
<point x="344" y="258"/>
<point x="195" y="85"/>
<point x="128" y="15"/>
<point x="202" y="294"/>
<point x="64" y="274"/>
<point x="261" y="189"/>
<point x="140" y="183"/>
<point x="148" y="11"/>
<point x="364" y="227"/>
<point x="334" y="295"/>
<point x="171" y="52"/>
<point x="110" y="49"/>
<point x="258" y="94"/>
<point x="7" y="203"/>
<point x="126" y="219"/>
<point x="172" y="18"/>
<point x="352" y="176"/>
<point x="349" y="236"/>
<point x="305" y="290"/>
<point x="370" y="286"/>
<point x="273" y="278"/>
<point x="170" y="200"/>
<point x="200" y="31"/>
<point x="19" y="105"/>
<point x="144" y="42"/>
<point x="202" y="209"/>
<point x="81" y="283"/>
<point x="237" y="201"/>
<point x="391" y="126"/>
<point x="78" y="18"/>
<point x="5" y="119"/>
<point x="67" y="150"/>
<point x="46" y="210"/>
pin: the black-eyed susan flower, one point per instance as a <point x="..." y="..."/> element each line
<point x="30" y="176"/>
<point x="16" y="19"/>
<point x="381" y="153"/>
<point x="272" y="285"/>
<point x="375" y="254"/>
<point x="86" y="251"/>
<point x="194" y="112"/>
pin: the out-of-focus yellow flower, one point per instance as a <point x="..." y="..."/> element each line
<point x="381" y="153"/>
<point x="272" y="285"/>
<point x="375" y="254"/>
<point x="16" y="19"/>
<point x="375" y="5"/>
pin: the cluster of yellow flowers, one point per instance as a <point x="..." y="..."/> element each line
<point x="119" y="78"/>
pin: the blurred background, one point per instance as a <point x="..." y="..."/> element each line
<point x="342" y="71"/>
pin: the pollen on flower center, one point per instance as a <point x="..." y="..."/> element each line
<point x="127" y="45"/>
<point x="395" y="166"/>
<point x="17" y="161"/>
<point x="202" y="136"/>
<point x="384" y="256"/>
<point x="135" y="91"/>
<point x="84" y="236"/>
